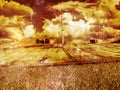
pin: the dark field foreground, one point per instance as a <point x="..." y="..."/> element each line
<point x="71" y="77"/>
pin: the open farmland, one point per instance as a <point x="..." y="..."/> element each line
<point x="48" y="67"/>
<point x="32" y="55"/>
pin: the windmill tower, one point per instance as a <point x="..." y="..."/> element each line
<point x="63" y="40"/>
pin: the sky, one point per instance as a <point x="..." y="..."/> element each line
<point x="41" y="11"/>
<point x="100" y="18"/>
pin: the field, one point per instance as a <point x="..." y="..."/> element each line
<point x="70" y="77"/>
<point x="68" y="67"/>
<point x="30" y="54"/>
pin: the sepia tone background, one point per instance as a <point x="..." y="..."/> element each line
<point x="59" y="44"/>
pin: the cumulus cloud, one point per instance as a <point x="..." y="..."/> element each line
<point x="87" y="21"/>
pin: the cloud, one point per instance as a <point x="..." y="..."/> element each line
<point x="79" y="20"/>
<point x="13" y="8"/>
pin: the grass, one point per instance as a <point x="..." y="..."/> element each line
<point x="104" y="76"/>
<point x="99" y="76"/>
